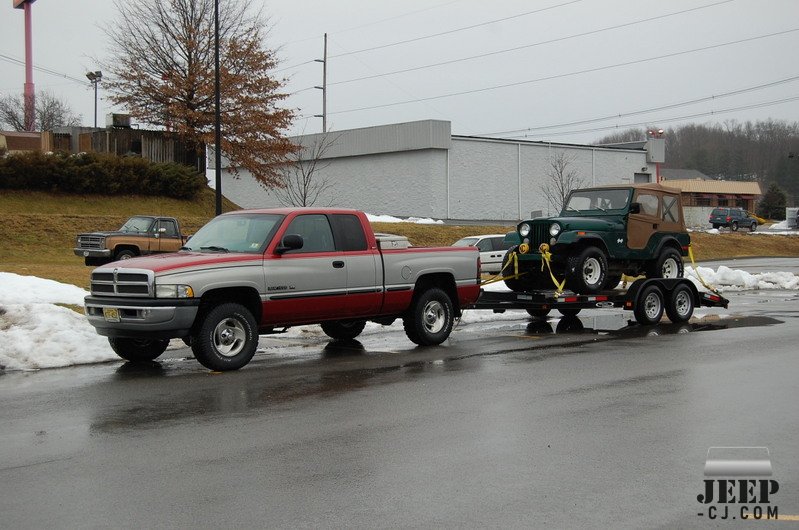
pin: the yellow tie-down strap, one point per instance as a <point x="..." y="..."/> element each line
<point x="514" y="260"/>
<point x="547" y="258"/>
<point x="696" y="271"/>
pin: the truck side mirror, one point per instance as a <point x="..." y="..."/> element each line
<point x="289" y="242"/>
<point x="635" y="207"/>
<point x="162" y="230"/>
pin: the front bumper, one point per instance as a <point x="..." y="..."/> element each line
<point x="142" y="318"/>
<point x="92" y="253"/>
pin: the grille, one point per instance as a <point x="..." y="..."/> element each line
<point x="124" y="282"/>
<point x="539" y="233"/>
<point x="91" y="242"/>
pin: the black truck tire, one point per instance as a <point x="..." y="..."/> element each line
<point x="124" y="254"/>
<point x="138" y="350"/>
<point x="343" y="329"/>
<point x="226" y="338"/>
<point x="668" y="264"/>
<point x="586" y="271"/>
<point x="429" y="320"/>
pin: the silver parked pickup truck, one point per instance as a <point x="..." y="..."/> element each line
<point x="252" y="272"/>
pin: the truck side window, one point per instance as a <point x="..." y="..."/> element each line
<point x="315" y="231"/>
<point x="349" y="233"/>
<point x="171" y="230"/>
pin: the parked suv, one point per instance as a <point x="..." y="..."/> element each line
<point x="492" y="249"/>
<point x="600" y="234"/>
<point x="732" y="218"/>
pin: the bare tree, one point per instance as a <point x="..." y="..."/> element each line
<point x="302" y="181"/>
<point x="50" y="112"/>
<point x="561" y="179"/>
<point x="162" y="70"/>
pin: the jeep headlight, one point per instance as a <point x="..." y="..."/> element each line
<point x="524" y="230"/>
<point x="173" y="291"/>
<point x="554" y="229"/>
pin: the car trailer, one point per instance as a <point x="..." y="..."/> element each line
<point x="647" y="298"/>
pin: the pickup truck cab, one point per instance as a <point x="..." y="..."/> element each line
<point x="138" y="236"/>
<point x="252" y="272"/>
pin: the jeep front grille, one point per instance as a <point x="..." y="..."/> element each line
<point x="539" y="233"/>
<point x="122" y="282"/>
<point x="91" y="242"/>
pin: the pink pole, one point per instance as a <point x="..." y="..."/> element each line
<point x="30" y="93"/>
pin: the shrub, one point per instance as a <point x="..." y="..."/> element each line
<point x="98" y="173"/>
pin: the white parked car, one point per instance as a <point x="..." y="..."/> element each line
<point x="492" y="249"/>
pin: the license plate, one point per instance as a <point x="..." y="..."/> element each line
<point x="111" y="314"/>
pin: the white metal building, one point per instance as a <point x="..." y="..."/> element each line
<point x="420" y="169"/>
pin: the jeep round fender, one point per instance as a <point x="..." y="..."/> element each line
<point x="669" y="241"/>
<point x="589" y="239"/>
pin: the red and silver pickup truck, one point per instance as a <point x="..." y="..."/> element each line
<point x="252" y="272"/>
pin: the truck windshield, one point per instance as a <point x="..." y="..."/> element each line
<point x="137" y="224"/>
<point x="601" y="199"/>
<point x="248" y="233"/>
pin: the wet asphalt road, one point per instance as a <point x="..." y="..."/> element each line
<point x="509" y="425"/>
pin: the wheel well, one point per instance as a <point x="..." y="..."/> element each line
<point x="442" y="280"/>
<point x="669" y="243"/>
<point x="246" y="296"/>
<point x="132" y="248"/>
<point x="589" y="242"/>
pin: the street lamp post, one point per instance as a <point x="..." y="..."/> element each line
<point x="217" y="115"/>
<point x="95" y="78"/>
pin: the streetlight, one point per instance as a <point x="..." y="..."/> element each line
<point x="95" y="78"/>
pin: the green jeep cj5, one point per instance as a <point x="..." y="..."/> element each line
<point x="602" y="233"/>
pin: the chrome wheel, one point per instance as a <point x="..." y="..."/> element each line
<point x="434" y="316"/>
<point x="592" y="271"/>
<point x="229" y="337"/>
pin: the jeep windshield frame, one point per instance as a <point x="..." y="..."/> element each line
<point x="597" y="201"/>
<point x="240" y="233"/>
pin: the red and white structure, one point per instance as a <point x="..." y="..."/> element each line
<point x="30" y="97"/>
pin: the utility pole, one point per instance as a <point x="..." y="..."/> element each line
<point x="30" y="98"/>
<point x="323" y="88"/>
<point x="217" y="115"/>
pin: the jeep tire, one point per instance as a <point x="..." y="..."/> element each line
<point x="343" y="329"/>
<point x="532" y="279"/>
<point x="586" y="271"/>
<point x="668" y="264"/>
<point x="138" y="350"/>
<point x="226" y="338"/>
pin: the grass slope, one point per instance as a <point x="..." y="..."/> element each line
<point x="37" y="231"/>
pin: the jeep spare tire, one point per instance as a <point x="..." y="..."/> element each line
<point x="586" y="271"/>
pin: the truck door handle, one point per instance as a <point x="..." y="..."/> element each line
<point x="338" y="264"/>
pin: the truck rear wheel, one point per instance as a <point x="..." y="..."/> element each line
<point x="429" y="320"/>
<point x="138" y="350"/>
<point x="343" y="329"/>
<point x="649" y="306"/>
<point x="226" y="338"/>
<point x="586" y="271"/>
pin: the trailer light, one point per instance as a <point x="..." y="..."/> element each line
<point x="524" y="230"/>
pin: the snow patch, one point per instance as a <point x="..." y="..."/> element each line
<point x="391" y="219"/>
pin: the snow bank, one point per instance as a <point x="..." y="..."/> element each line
<point x="390" y="219"/>
<point x="726" y="279"/>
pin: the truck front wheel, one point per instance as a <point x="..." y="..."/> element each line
<point x="138" y="350"/>
<point x="343" y="329"/>
<point x="124" y="254"/>
<point x="586" y="271"/>
<point x="226" y="338"/>
<point x="429" y="320"/>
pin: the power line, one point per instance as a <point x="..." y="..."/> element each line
<point x="646" y="111"/>
<point x="448" y="32"/>
<point x="540" y="43"/>
<point x="569" y="74"/>
<point x="666" y="120"/>
<point x="42" y="69"/>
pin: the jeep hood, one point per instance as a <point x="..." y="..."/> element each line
<point x="581" y="223"/>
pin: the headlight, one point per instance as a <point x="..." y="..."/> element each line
<point x="524" y="230"/>
<point x="554" y="229"/>
<point x="174" y="291"/>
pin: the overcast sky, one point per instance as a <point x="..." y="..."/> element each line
<point x="575" y="63"/>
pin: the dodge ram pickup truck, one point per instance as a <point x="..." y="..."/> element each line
<point x="139" y="236"/>
<point x="253" y="272"/>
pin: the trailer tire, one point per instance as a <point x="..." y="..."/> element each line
<point x="649" y="305"/>
<point x="681" y="304"/>
<point x="586" y="271"/>
<point x="429" y="320"/>
<point x="569" y="311"/>
<point x="343" y="329"/>
<point x="226" y="338"/>
<point x="538" y="313"/>
<point x="138" y="350"/>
